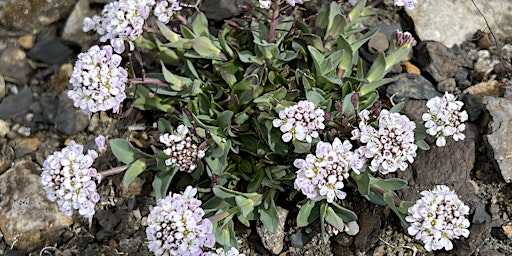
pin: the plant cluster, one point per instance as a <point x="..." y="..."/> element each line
<point x="240" y="113"/>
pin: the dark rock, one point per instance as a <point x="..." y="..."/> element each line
<point x="61" y="112"/>
<point x="32" y="15"/>
<point x="16" y="105"/>
<point x="369" y="231"/>
<point x="472" y="106"/>
<point x="299" y="239"/>
<point x="14" y="66"/>
<point x="344" y="239"/>
<point x="48" y="49"/>
<point x="439" y="61"/>
<point x="411" y="86"/>
<point x="219" y="10"/>
<point x="449" y="165"/>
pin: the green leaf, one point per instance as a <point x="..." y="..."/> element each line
<point x="370" y="87"/>
<point x="133" y="171"/>
<point x="269" y="216"/>
<point x="362" y="182"/>
<point x="225" y="235"/>
<point x="377" y="69"/>
<point x="125" y="152"/>
<point x="162" y="181"/>
<point x="206" y="49"/>
<point x="247" y="89"/>
<point x="200" y="25"/>
<point x="390" y="197"/>
<point x="318" y="59"/>
<point x="423" y="145"/>
<point x="306" y="215"/>
<point x="315" y="97"/>
<point x="346" y="214"/>
<point x="167" y="33"/>
<point x="300" y="147"/>
<point x="390" y="184"/>
<point x="245" y="205"/>
<point x="224" y="120"/>
<point x="332" y="218"/>
<point x="397" y="108"/>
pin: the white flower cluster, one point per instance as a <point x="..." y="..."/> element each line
<point x="98" y="80"/>
<point x="409" y="4"/>
<point x="176" y="226"/>
<point x="123" y="21"/>
<point x="300" y="122"/>
<point x="265" y="4"/>
<point x="444" y="118"/>
<point x="321" y="175"/>
<point x="164" y="10"/>
<point x="220" y="252"/>
<point x="182" y="151"/>
<point x="391" y="145"/>
<point x="438" y="217"/>
<point x="69" y="179"/>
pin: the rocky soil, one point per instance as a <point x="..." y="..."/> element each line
<point x="40" y="39"/>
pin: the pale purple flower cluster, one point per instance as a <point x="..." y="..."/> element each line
<point x="98" y="80"/>
<point x="444" y="118"/>
<point x="164" y="10"/>
<point x="391" y="145"/>
<point x="176" y="226"/>
<point x="300" y="122"/>
<point x="265" y="4"/>
<point x="220" y="252"/>
<point x="409" y="4"/>
<point x="321" y="175"/>
<point x="438" y="217"/>
<point x="69" y="179"/>
<point x="120" y="21"/>
<point x="404" y="39"/>
<point x="182" y="151"/>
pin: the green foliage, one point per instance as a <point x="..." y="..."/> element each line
<point x="229" y="87"/>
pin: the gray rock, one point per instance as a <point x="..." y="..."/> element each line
<point x="484" y="64"/>
<point x="2" y="87"/>
<point x="16" y="105"/>
<point x="73" y="32"/>
<point x="411" y="86"/>
<point x="500" y="110"/>
<point x="500" y="143"/>
<point x="452" y="22"/>
<point x="49" y="49"/>
<point x="14" y="66"/>
<point x="299" y="239"/>
<point x="274" y="241"/>
<point x="25" y="213"/>
<point x="481" y="214"/>
<point x="61" y="112"/>
<point x="32" y="15"/>
<point x="219" y="10"/>
<point x="447" y="85"/>
<point x="439" y="61"/>
<point x="378" y="43"/>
